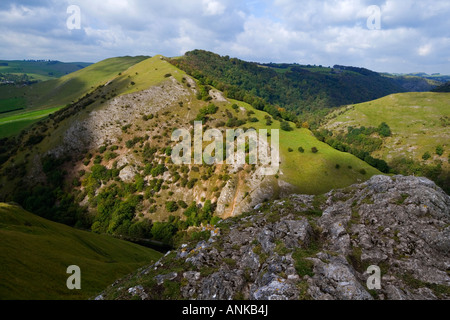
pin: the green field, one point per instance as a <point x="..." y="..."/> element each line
<point x="52" y="94"/>
<point x="35" y="254"/>
<point x="419" y="122"/>
<point x="40" y="70"/>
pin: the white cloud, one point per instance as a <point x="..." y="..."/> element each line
<point x="213" y="8"/>
<point x="415" y="35"/>
<point x="424" y="50"/>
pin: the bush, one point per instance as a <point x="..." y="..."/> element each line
<point x="384" y="130"/>
<point x="301" y="150"/>
<point x="439" y="150"/>
<point x="362" y="171"/>
<point x="285" y="126"/>
<point x="426" y="156"/>
<point x="171" y="206"/>
<point x="314" y="150"/>
<point x="290" y="150"/>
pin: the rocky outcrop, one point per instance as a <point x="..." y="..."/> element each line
<point x="317" y="247"/>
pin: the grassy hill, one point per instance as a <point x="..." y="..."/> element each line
<point x="419" y="124"/>
<point x="39" y="70"/>
<point x="18" y="104"/>
<point x="35" y="254"/>
<point x="113" y="157"/>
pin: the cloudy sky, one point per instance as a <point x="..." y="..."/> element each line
<point x="406" y="36"/>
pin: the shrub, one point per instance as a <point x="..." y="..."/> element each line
<point x="171" y="206"/>
<point x="426" y="156"/>
<point x="362" y="171"/>
<point x="439" y="150"/>
<point x="285" y="126"/>
<point x="301" y="150"/>
<point x="314" y="150"/>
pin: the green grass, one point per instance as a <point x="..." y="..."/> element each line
<point x="146" y="74"/>
<point x="35" y="254"/>
<point x="40" y="70"/>
<point x="55" y="93"/>
<point x="312" y="173"/>
<point x="7" y="105"/>
<point x="417" y="122"/>
<point x="12" y="125"/>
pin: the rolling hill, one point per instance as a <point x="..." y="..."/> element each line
<point x="419" y="124"/>
<point x="37" y="70"/>
<point x="107" y="157"/>
<point x="35" y="254"/>
<point x="17" y="102"/>
<point x="298" y="88"/>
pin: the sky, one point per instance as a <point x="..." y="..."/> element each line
<point x="398" y="36"/>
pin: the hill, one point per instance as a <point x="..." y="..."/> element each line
<point x="35" y="254"/>
<point x="105" y="160"/>
<point x="297" y="88"/>
<point x="418" y="143"/>
<point x="314" y="248"/>
<point x="19" y="104"/>
<point x="36" y="70"/>
<point x="443" y="88"/>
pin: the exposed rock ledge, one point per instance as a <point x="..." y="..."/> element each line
<point x="315" y="247"/>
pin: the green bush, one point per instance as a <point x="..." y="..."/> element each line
<point x="426" y="156"/>
<point x="171" y="206"/>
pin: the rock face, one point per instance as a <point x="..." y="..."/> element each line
<point x="316" y="247"/>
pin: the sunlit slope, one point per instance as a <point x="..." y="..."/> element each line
<point x="55" y="93"/>
<point x="35" y="254"/>
<point x="418" y="121"/>
<point x="313" y="173"/>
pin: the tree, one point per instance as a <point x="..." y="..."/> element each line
<point x="384" y="130"/>
<point x="439" y="150"/>
<point x="285" y="126"/>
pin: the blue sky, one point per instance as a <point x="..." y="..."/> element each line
<point x="414" y="36"/>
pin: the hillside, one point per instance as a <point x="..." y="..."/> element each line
<point x="443" y="88"/>
<point x="21" y="105"/>
<point x="414" y="83"/>
<point x="314" y="248"/>
<point x="419" y="124"/>
<point x="35" y="254"/>
<point x="36" y="70"/>
<point x="105" y="159"/>
<point x="297" y="88"/>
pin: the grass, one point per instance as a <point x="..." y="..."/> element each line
<point x="13" y="125"/>
<point x="59" y="92"/>
<point x="35" y="254"/>
<point x="312" y="173"/>
<point x="40" y="70"/>
<point x="418" y="121"/>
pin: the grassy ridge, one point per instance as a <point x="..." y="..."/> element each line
<point x="417" y="121"/>
<point x="35" y="254"/>
<point x="312" y="173"/>
<point x="59" y="92"/>
<point x="40" y="70"/>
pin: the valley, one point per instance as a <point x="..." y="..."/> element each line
<point x="92" y="150"/>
